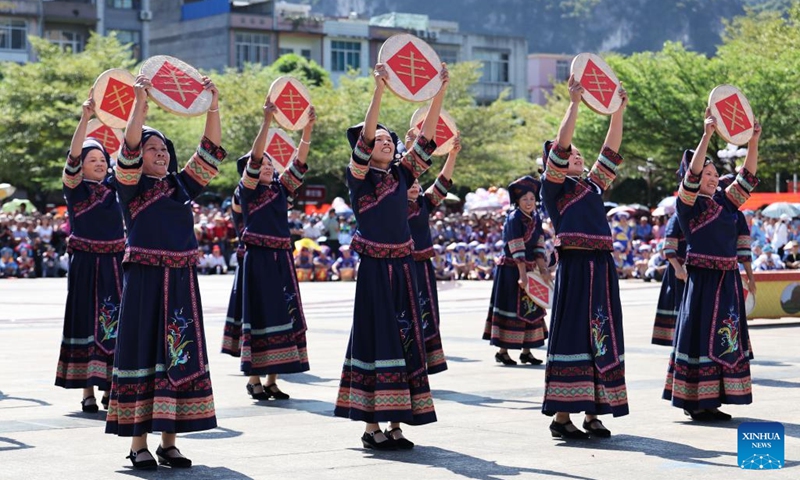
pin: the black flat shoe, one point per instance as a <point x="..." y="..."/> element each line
<point x="104" y="401"/>
<point x="262" y="395"/>
<point x="701" y="416"/>
<point x="89" y="407"/>
<point x="142" y="464"/>
<point x="401" y="443"/>
<point x="529" y="358"/>
<point x="174" y="462"/>
<point x="594" y="431"/>
<point x="369" y="442"/>
<point x="273" y="391"/>
<point x="504" y="359"/>
<point x="718" y="415"/>
<point x="559" y="430"/>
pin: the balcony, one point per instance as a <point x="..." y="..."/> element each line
<point x="19" y="7"/>
<point x="287" y="22"/>
<point x="70" y="12"/>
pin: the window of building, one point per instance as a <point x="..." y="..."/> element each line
<point x="306" y="53"/>
<point x="68" y="41"/>
<point x="285" y="51"/>
<point x="13" y="34"/>
<point x="123" y="4"/>
<point x="448" y="55"/>
<point x="495" y="66"/>
<point x="345" y="55"/>
<point x="562" y="70"/>
<point x="130" y="37"/>
<point x="251" y="48"/>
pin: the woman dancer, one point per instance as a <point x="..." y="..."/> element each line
<point x="710" y="361"/>
<point x="94" y="282"/>
<point x="161" y="377"/>
<point x="420" y="208"/>
<point x="514" y="320"/>
<point x="384" y="376"/>
<point x="585" y="354"/>
<point x="669" y="299"/>
<point x="273" y="323"/>
<point x="232" y="335"/>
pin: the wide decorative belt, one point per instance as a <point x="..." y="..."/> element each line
<point x="160" y="258"/>
<point x="267" y="241"/>
<point x="584" y="241"/>
<point x="512" y="262"/>
<point x="381" y="250"/>
<point x="95" y="246"/>
<point x="422" y="255"/>
<point x="712" y="262"/>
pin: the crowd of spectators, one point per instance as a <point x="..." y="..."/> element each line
<point x="34" y="245"/>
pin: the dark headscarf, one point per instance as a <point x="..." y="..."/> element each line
<point x="686" y="160"/>
<point x="355" y="131"/>
<point x="147" y="132"/>
<point x="521" y="186"/>
<point x="94" y="144"/>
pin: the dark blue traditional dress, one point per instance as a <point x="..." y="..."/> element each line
<point x="586" y="352"/>
<point x="273" y="323"/>
<point x="385" y="376"/>
<point x="94" y="283"/>
<point x="514" y="321"/>
<point x="161" y="375"/>
<point x="419" y="213"/>
<point x="710" y="361"/>
<point x="232" y="335"/>
<point x="671" y="286"/>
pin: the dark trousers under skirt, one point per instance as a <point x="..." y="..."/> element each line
<point x="429" y="308"/>
<point x="669" y="300"/>
<point x="585" y="369"/>
<point x="384" y="378"/>
<point x="94" y="288"/>
<point x="513" y="321"/>
<point x="161" y="377"/>
<point x="710" y="362"/>
<point x="232" y="334"/>
<point x="273" y="324"/>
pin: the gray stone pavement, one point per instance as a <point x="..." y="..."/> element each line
<point x="490" y="425"/>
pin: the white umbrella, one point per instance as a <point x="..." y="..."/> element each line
<point x="6" y="190"/>
<point x="777" y="209"/>
<point x="668" y="202"/>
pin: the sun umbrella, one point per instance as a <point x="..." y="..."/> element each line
<point x="15" y="205"/>
<point x="452" y="198"/>
<point x="668" y="202"/>
<point x="610" y="204"/>
<point x="775" y="210"/>
<point x="661" y="212"/>
<point x="6" y="190"/>
<point x="307" y="243"/>
<point x="620" y="209"/>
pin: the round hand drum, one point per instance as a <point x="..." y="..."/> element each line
<point x="177" y="86"/>
<point x="446" y="130"/>
<point x="539" y="290"/>
<point x="599" y="82"/>
<point x="413" y="67"/>
<point x="113" y="97"/>
<point x="734" y="116"/>
<point x="280" y="148"/>
<point x="749" y="299"/>
<point x="293" y="102"/>
<point x="110" y="138"/>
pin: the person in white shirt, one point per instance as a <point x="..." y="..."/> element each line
<point x="781" y="235"/>
<point x="215" y="262"/>
<point x="768" y="261"/>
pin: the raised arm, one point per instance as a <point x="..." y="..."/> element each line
<point x="305" y="140"/>
<point x="567" y="128"/>
<point x="614" y="135"/>
<point x="739" y="190"/>
<point x="428" y="129"/>
<point x="373" y="111"/>
<point x="450" y="163"/>
<point x="292" y="177"/>
<point x="73" y="170"/>
<point x="260" y="142"/>
<point x="213" y="129"/>
<point x="699" y="158"/>
<point x="751" y="160"/>
<point x="133" y="131"/>
<point x="436" y="193"/>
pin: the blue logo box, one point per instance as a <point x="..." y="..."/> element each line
<point x="761" y="446"/>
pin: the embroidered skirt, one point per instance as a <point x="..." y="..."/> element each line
<point x="513" y="321"/>
<point x="273" y="324"/>
<point x="232" y="334"/>
<point x="710" y="361"/>
<point x="667" y="309"/>
<point x="429" y="313"/>
<point x="384" y="378"/>
<point x="585" y="369"/>
<point x="161" y="378"/>
<point x="94" y="288"/>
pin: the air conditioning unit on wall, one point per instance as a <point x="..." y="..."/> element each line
<point x="145" y="15"/>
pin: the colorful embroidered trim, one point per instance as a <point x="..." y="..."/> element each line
<point x="583" y="240"/>
<point x="687" y="192"/>
<point x="422" y="255"/>
<point x="95" y="246"/>
<point x="381" y="250"/>
<point x="266" y="241"/>
<point x="711" y="261"/>
<point x="292" y="177"/>
<point x="437" y="192"/>
<point x="160" y="258"/>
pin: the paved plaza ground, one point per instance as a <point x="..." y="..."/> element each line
<point x="490" y="423"/>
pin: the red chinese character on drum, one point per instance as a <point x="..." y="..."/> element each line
<point x="733" y="114"/>
<point x="106" y="136"/>
<point x="291" y="103"/>
<point x="280" y="150"/>
<point x="443" y="132"/>
<point x="597" y="84"/>
<point x="177" y="85"/>
<point x="118" y="99"/>
<point x="412" y="68"/>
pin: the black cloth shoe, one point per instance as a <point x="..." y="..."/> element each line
<point x="275" y="392"/>
<point x="104" y="401"/>
<point x="89" y="407"/>
<point x="174" y="462"/>
<point x="262" y="395"/>
<point x="369" y="442"/>
<point x="596" y="431"/>
<point x="718" y="415"/>
<point x="559" y="430"/>
<point x="701" y="416"/>
<point x="401" y="443"/>
<point x="504" y="359"/>
<point x="142" y="464"/>
<point x="529" y="358"/>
